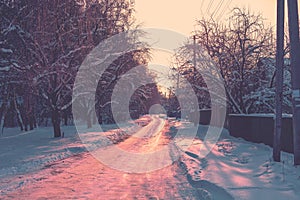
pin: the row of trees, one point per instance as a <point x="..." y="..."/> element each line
<point x="243" y="49"/>
<point x="42" y="45"/>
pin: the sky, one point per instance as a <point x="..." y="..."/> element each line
<point x="180" y="16"/>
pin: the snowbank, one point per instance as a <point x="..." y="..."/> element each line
<point x="23" y="152"/>
<point x="244" y="169"/>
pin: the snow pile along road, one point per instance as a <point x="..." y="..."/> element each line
<point x="244" y="169"/>
<point x="23" y="152"/>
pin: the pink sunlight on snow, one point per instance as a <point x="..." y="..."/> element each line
<point x="234" y="169"/>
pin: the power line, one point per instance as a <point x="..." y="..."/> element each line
<point x="217" y="8"/>
<point x="202" y="3"/>
<point x="209" y="6"/>
<point x="202" y="6"/>
<point x="224" y="9"/>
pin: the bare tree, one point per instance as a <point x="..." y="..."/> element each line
<point x="238" y="48"/>
<point x="59" y="34"/>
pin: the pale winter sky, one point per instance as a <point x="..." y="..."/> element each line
<point x="180" y="16"/>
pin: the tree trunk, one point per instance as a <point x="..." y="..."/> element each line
<point x="65" y="118"/>
<point x="31" y="122"/>
<point x="100" y="121"/>
<point x="26" y="122"/>
<point x="34" y="122"/>
<point x="56" y="123"/>
<point x="2" y="119"/>
<point x="19" y="116"/>
<point x="94" y="119"/>
<point x="89" y="120"/>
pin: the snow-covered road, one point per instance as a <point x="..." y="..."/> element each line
<point x="146" y="165"/>
<point x="84" y="177"/>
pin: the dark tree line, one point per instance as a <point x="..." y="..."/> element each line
<point x="42" y="45"/>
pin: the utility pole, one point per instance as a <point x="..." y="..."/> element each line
<point x="194" y="55"/>
<point x="178" y="78"/>
<point x="295" y="65"/>
<point x="194" y="76"/>
<point x="279" y="80"/>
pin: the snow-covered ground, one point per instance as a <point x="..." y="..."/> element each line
<point x="244" y="169"/>
<point x="234" y="169"/>
<point x="23" y="152"/>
